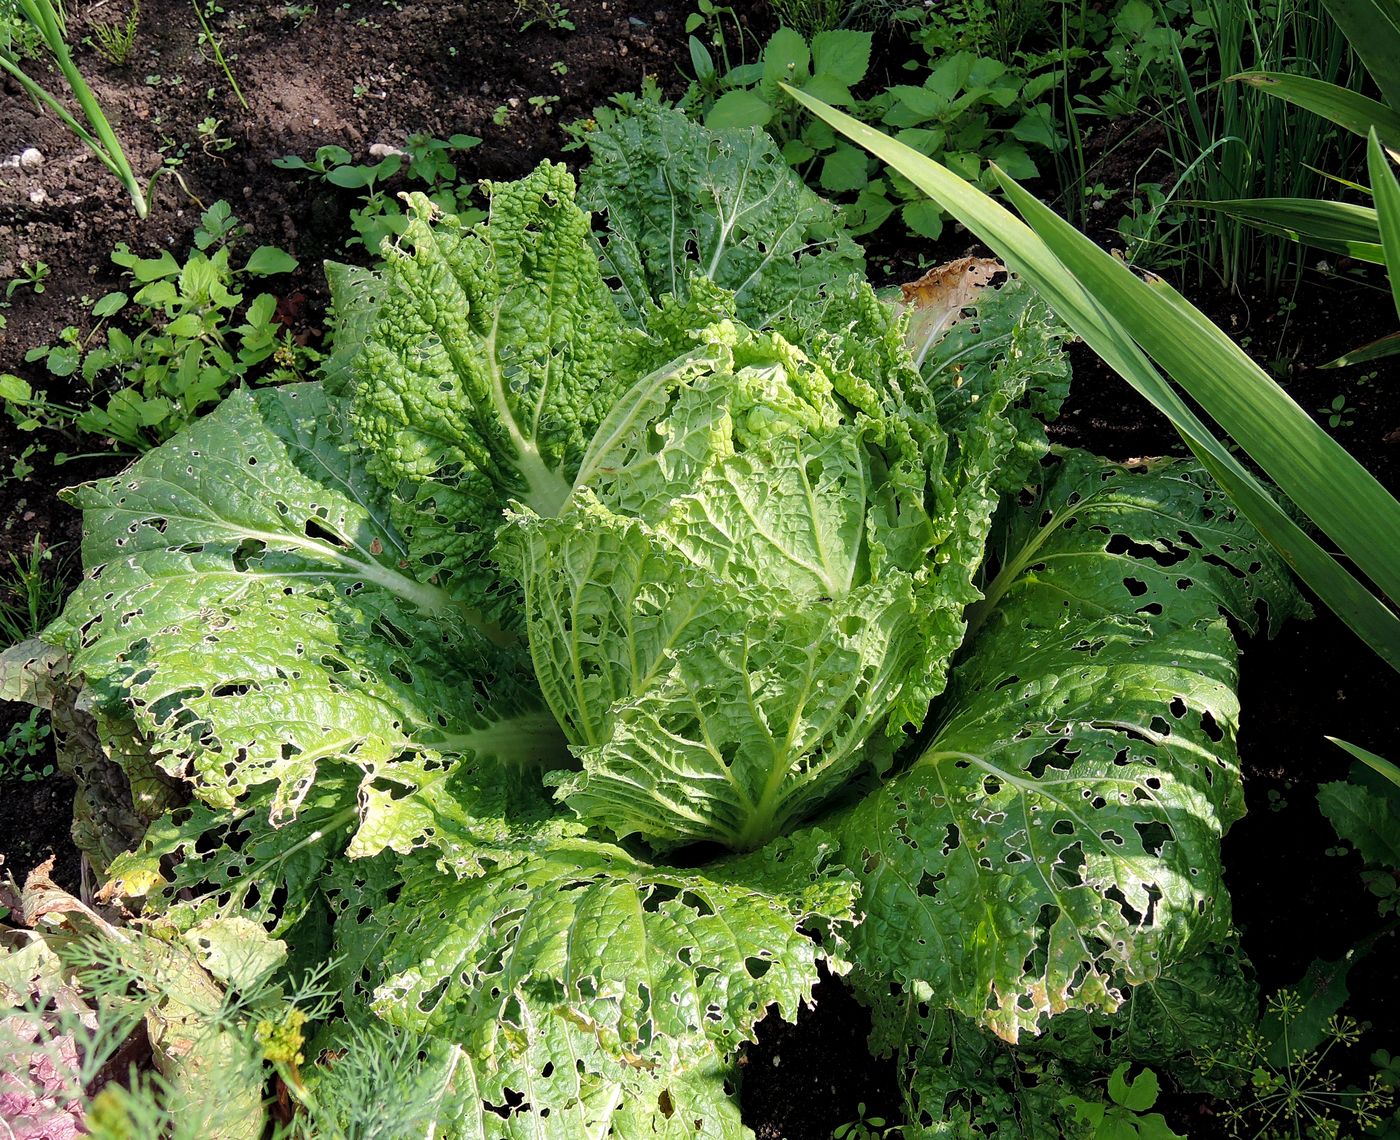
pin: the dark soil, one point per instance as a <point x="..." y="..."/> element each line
<point x="366" y="72"/>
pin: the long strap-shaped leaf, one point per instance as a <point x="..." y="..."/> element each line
<point x="1387" y="194"/>
<point x="1372" y="27"/>
<point x="1350" y="111"/>
<point x="101" y="140"/>
<point x="1340" y="227"/>
<point x="1114" y="311"/>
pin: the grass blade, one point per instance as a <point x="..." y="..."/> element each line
<point x="1388" y="345"/>
<point x="1370" y="759"/>
<point x="1387" y="195"/>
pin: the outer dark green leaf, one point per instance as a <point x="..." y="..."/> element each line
<point x="590" y="982"/>
<point x="1183" y="1022"/>
<point x="1009" y="351"/>
<point x="962" y="1083"/>
<point x="196" y="863"/>
<point x="1059" y="837"/>
<point x="682" y="200"/>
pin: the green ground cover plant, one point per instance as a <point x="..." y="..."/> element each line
<point x="194" y="335"/>
<point x="968" y="110"/>
<point x="426" y="163"/>
<point x="627" y="626"/>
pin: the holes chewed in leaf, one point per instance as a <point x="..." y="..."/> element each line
<point x="1121" y="544"/>
<point x="1211" y="728"/>
<point x="1154" y="835"/>
<point x="315" y="529"/>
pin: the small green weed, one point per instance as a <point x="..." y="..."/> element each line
<point x="968" y="112"/>
<point x="32" y="275"/>
<point x="113" y="40"/>
<point x="865" y="1127"/>
<point x="1339" y="413"/>
<point x="1124" y="1115"/>
<point x="194" y="336"/>
<point x="424" y="160"/>
<point x="544" y="104"/>
<point x="23" y="750"/>
<point x="19" y="39"/>
<point x="550" y="13"/>
<point x="812" y="16"/>
<point x="31" y="592"/>
<point x="211" y="140"/>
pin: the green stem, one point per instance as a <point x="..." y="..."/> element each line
<point x="218" y="54"/>
<point x="101" y="140"/>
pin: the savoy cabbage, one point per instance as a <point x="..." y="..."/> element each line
<point x="561" y="667"/>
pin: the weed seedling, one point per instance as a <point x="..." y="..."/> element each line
<point x="114" y="40"/>
<point x="31" y="592"/>
<point x="544" y="104"/>
<point x="22" y="747"/>
<point x="1338" y="413"/>
<point x="31" y="275"/>
<point x="424" y="160"/>
<point x="194" y="335"/>
<point x="550" y="13"/>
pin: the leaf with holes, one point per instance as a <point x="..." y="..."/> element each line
<point x="647" y="972"/>
<point x="250" y="608"/>
<point x="1187" y="1022"/>
<point x="1058" y="839"/>
<point x="685" y="201"/>
<point x="496" y="353"/>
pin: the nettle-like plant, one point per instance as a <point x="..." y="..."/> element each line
<point x="561" y="667"/>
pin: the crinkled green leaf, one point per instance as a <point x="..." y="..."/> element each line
<point x="497" y="352"/>
<point x="962" y="1083"/>
<point x="1010" y="349"/>
<point x="587" y="981"/>
<point x="739" y="597"/>
<point x="652" y="960"/>
<point x="197" y="864"/>
<point x="250" y="607"/>
<point x="1059" y="837"/>
<point x="538" y="1096"/>
<point x="682" y="199"/>
<point x="1183" y="1022"/>
<point x="357" y="294"/>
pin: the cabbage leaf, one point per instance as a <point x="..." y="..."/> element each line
<point x="1058" y="838"/>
